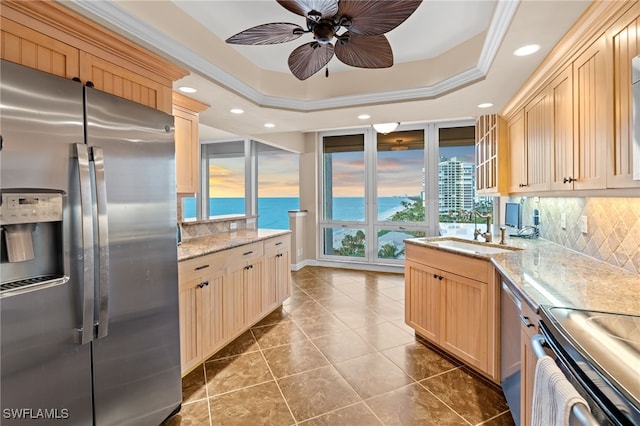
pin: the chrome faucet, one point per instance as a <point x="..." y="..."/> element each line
<point x="476" y="231"/>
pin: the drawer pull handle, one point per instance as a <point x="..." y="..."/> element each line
<point x="279" y="244"/>
<point x="440" y="277"/>
<point x="526" y="322"/>
<point x="203" y="284"/>
<point x="249" y="252"/>
<point x="201" y="267"/>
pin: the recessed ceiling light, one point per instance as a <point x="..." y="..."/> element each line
<point x="269" y="125"/>
<point x="187" y="89"/>
<point x="485" y="105"/>
<point x="236" y="111"/>
<point x="364" y="116"/>
<point x="527" y="50"/>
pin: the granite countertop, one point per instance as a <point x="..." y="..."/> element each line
<point x="200" y="246"/>
<point x="546" y="273"/>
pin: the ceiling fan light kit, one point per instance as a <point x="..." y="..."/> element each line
<point x="385" y="128"/>
<point x="362" y="44"/>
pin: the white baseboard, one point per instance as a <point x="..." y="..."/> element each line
<point x="349" y="265"/>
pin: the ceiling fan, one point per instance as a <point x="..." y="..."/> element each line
<point x="361" y="45"/>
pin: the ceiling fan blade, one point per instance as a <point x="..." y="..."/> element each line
<point x="374" y="17"/>
<point x="309" y="58"/>
<point x="278" y="32"/>
<point x="327" y="8"/>
<point x="365" y="51"/>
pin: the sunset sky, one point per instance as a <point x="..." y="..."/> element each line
<point x="398" y="173"/>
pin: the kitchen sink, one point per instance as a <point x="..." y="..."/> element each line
<point x="473" y="247"/>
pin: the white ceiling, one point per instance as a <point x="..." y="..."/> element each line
<point x="449" y="56"/>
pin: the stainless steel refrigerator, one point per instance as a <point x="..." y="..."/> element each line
<point x="89" y="294"/>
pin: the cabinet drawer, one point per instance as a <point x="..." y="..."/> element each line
<point x="277" y="243"/>
<point x="200" y="266"/>
<point x="245" y="253"/>
<point x="470" y="267"/>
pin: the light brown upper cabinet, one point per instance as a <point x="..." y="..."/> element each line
<point x="517" y="153"/>
<point x="491" y="153"/>
<point x="530" y="140"/>
<point x="186" y="112"/>
<point x="46" y="36"/>
<point x="571" y="125"/>
<point x="591" y="122"/>
<point x="624" y="39"/>
<point x="562" y="149"/>
<point x="538" y="138"/>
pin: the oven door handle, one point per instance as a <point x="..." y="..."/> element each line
<point x="581" y="414"/>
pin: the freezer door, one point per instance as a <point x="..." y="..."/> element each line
<point x="137" y="363"/>
<point x="45" y="371"/>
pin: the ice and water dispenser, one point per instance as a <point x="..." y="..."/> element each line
<point x="32" y="245"/>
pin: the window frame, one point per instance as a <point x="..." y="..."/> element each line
<point x="371" y="224"/>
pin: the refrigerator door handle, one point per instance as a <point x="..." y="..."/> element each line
<point x="103" y="243"/>
<point x="86" y="331"/>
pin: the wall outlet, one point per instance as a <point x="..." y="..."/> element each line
<point x="583" y="224"/>
<point x="563" y="220"/>
<point x="233" y="226"/>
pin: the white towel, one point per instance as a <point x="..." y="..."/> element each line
<point x="553" y="395"/>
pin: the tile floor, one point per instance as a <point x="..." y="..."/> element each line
<point x="337" y="353"/>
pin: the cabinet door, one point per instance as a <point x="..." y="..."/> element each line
<point x="517" y="157"/>
<point x="464" y="318"/>
<point x="422" y="299"/>
<point x="186" y="112"/>
<point x="190" y="307"/>
<point x="277" y="276"/>
<point x="234" y="294"/>
<point x="270" y="297"/>
<point x="119" y="81"/>
<point x="528" y="364"/>
<point x="283" y="268"/>
<point x="212" y="331"/>
<point x="592" y="122"/>
<point x="625" y="45"/>
<point x="186" y="139"/>
<point x="562" y="152"/>
<point x="538" y="139"/>
<point x="253" y="279"/>
<point x="32" y="49"/>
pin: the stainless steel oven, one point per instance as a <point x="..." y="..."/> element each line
<point x="599" y="352"/>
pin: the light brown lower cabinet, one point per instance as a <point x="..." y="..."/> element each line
<point x="201" y="305"/>
<point x="528" y="362"/>
<point x="221" y="295"/>
<point x="451" y="301"/>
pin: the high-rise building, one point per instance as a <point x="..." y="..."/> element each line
<point x="456" y="185"/>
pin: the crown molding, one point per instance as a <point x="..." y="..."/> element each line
<point x="118" y="18"/>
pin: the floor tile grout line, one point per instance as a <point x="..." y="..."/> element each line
<point x="295" y="421"/>
<point x="206" y="390"/>
<point x="447" y="405"/>
<point x="331" y="364"/>
<point x="492" y="418"/>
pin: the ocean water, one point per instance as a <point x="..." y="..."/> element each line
<point x="273" y="212"/>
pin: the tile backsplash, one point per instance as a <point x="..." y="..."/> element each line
<point x="204" y="228"/>
<point x="613" y="226"/>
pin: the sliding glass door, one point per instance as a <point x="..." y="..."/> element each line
<point x="400" y="192"/>
<point x="344" y="202"/>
